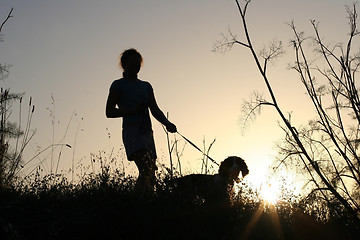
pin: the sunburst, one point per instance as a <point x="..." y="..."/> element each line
<point x="270" y="193"/>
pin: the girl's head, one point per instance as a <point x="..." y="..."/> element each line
<point x="131" y="61"/>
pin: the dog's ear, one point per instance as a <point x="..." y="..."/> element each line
<point x="243" y="167"/>
<point x="244" y="170"/>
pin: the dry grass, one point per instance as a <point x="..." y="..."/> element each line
<point x="105" y="206"/>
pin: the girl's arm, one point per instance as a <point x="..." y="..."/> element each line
<point x="159" y="115"/>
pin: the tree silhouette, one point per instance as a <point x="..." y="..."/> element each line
<point x="10" y="156"/>
<point x="328" y="146"/>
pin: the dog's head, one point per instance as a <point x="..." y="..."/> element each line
<point x="230" y="168"/>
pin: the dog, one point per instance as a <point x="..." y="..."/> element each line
<point x="211" y="189"/>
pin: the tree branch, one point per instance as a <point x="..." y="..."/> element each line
<point x="7" y="18"/>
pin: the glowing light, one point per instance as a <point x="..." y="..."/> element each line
<point x="271" y="188"/>
<point x="270" y="193"/>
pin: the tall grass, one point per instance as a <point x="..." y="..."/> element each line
<point x="104" y="205"/>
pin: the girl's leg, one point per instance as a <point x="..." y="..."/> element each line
<point x="146" y="166"/>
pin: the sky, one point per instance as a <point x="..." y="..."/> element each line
<point x="64" y="54"/>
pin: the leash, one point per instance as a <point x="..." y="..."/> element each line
<point x="212" y="160"/>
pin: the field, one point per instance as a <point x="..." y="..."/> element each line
<point x="105" y="206"/>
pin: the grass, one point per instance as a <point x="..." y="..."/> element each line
<point x="105" y="206"/>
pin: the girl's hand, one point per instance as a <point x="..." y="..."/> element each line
<point x="171" y="127"/>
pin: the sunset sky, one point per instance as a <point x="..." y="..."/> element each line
<point x="69" y="50"/>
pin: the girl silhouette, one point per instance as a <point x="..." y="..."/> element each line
<point x="131" y="99"/>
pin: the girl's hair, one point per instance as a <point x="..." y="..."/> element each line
<point x="126" y="54"/>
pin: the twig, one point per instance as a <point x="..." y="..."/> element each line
<point x="7" y="18"/>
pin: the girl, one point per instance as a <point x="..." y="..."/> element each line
<point x="131" y="99"/>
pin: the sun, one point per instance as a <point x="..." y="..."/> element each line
<point x="274" y="188"/>
<point x="270" y="193"/>
<point x="267" y="187"/>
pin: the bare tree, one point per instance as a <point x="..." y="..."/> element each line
<point x="10" y="156"/>
<point x="4" y="68"/>
<point x="328" y="146"/>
